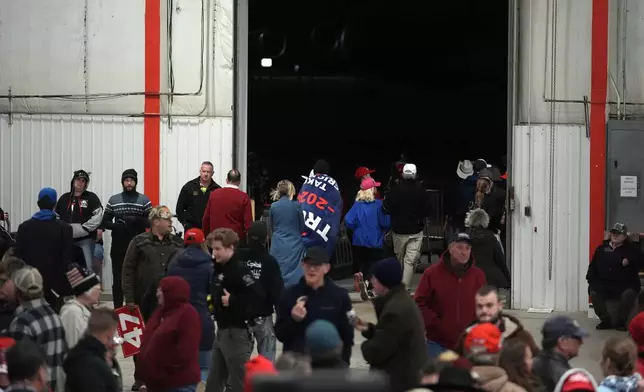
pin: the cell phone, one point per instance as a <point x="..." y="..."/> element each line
<point x="352" y="316"/>
<point x="303" y="298"/>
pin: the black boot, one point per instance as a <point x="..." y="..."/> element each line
<point x="604" y="325"/>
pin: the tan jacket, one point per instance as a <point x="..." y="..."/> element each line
<point x="495" y="379"/>
<point x="512" y="329"/>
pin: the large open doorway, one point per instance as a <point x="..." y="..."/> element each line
<point x="358" y="82"/>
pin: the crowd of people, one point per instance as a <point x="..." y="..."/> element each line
<point x="212" y="297"/>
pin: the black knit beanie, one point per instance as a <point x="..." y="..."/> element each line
<point x="130" y="173"/>
<point x="322" y="167"/>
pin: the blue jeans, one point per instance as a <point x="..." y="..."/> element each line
<point x="205" y="359"/>
<point x="434" y="349"/>
<point x="188" y="388"/>
<point x="87" y="246"/>
<point x="265" y="338"/>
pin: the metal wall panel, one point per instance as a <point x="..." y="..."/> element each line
<point x="73" y="47"/>
<point x="571" y="59"/>
<point x="43" y="150"/>
<point x="565" y="288"/>
<point x="185" y="145"/>
<point x="626" y="56"/>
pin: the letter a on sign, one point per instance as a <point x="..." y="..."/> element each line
<point x="130" y="328"/>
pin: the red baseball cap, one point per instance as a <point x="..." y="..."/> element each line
<point x="6" y="343"/>
<point x="636" y="329"/>
<point x="369" y="183"/>
<point x="363" y="171"/>
<point x="578" y="381"/>
<point x="484" y="335"/>
<point x="194" y="237"/>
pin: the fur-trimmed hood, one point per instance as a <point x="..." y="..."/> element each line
<point x="477" y="218"/>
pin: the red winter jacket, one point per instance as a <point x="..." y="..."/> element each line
<point x="446" y="300"/>
<point x="228" y="207"/>
<point x="169" y="356"/>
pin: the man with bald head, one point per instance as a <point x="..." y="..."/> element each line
<point x="229" y="207"/>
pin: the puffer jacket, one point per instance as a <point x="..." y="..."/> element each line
<point x="620" y="384"/>
<point x="495" y="379"/>
<point x="195" y="267"/>
<point x="511" y="328"/>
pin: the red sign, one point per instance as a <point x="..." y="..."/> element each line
<point x="130" y="327"/>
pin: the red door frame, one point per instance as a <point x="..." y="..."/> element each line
<point x="598" y="95"/>
<point x="152" y="106"/>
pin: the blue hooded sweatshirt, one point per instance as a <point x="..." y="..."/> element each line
<point x="46" y="213"/>
<point x="195" y="267"/>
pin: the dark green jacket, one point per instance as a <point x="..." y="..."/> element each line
<point x="146" y="262"/>
<point x="396" y="344"/>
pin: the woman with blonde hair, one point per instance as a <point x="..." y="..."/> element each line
<point x="619" y="363"/>
<point x="369" y="224"/>
<point x="490" y="199"/>
<point x="287" y="225"/>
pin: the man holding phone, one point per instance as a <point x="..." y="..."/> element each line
<point x="315" y="297"/>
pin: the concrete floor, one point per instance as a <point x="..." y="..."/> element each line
<point x="589" y="357"/>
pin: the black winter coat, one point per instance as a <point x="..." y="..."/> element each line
<point x="396" y="345"/>
<point x="408" y="205"/>
<point x="489" y="257"/>
<point x="549" y="366"/>
<point x="87" y="369"/>
<point x="48" y="246"/>
<point x="192" y="203"/>
<point x="265" y="269"/>
<point x="608" y="276"/>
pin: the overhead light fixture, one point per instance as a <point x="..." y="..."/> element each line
<point x="267" y="62"/>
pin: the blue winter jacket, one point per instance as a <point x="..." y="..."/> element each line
<point x="368" y="222"/>
<point x="195" y="266"/>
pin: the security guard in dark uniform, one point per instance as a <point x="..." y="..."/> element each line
<point x="613" y="278"/>
<point x="238" y="299"/>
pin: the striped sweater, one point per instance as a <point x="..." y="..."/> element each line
<point x="126" y="214"/>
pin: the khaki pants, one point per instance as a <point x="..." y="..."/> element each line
<point x="407" y="249"/>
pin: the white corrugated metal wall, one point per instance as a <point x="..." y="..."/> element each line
<point x="44" y="150"/>
<point x="537" y="283"/>
<point x="79" y="48"/>
<point x="185" y="145"/>
<point x="31" y="146"/>
<point x="550" y="259"/>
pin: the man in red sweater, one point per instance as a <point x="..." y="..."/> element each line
<point x="228" y="207"/>
<point x="445" y="295"/>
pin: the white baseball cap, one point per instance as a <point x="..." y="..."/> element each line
<point x="409" y="170"/>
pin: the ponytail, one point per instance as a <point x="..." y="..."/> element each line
<point x="483" y="186"/>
